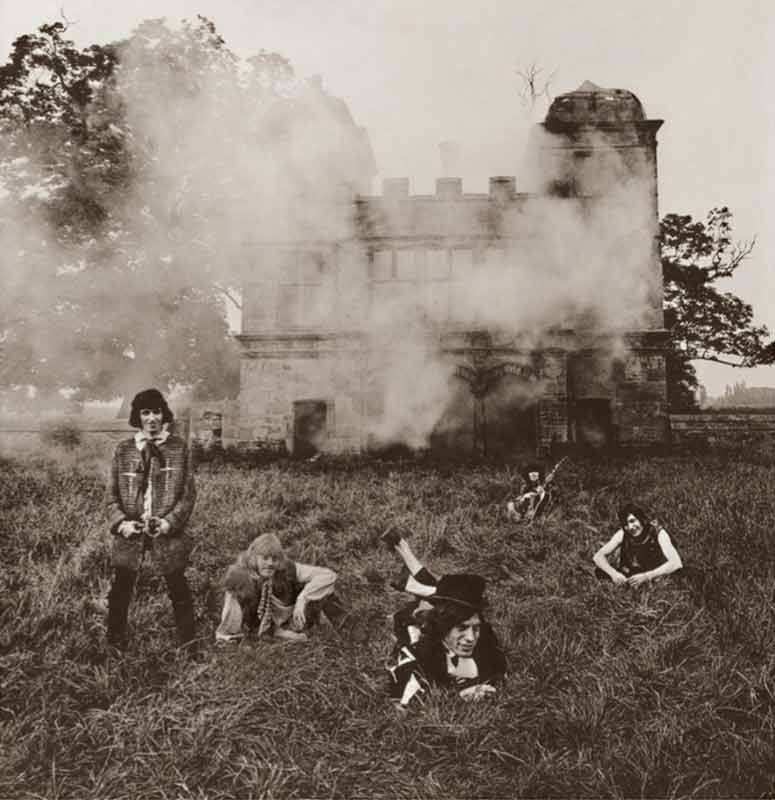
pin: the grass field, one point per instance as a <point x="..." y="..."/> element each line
<point x="666" y="691"/>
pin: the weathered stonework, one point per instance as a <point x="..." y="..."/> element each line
<point x="729" y="429"/>
<point x="314" y="373"/>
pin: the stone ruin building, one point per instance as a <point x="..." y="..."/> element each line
<point x="312" y="379"/>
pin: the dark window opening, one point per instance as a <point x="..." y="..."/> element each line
<point x="309" y="427"/>
<point x="593" y="423"/>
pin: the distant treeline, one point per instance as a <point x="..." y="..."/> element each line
<point x="747" y="397"/>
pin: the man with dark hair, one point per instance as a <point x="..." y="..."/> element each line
<point x="456" y="648"/>
<point x="535" y="493"/>
<point x="150" y="497"/>
<point x="646" y="551"/>
<point x="442" y="637"/>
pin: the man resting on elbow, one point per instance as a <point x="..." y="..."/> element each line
<point x="645" y="549"/>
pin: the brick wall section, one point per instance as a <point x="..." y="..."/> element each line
<point x="553" y="406"/>
<point x="282" y="370"/>
<point x="712" y="429"/>
<point x="640" y="407"/>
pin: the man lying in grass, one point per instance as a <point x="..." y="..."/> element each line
<point x="268" y="593"/>
<point x="645" y="550"/>
<point x="442" y="638"/>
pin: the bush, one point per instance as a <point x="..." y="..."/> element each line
<point x="62" y="433"/>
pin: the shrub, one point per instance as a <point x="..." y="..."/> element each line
<point x="63" y="433"/>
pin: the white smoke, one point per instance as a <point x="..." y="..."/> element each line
<point x="579" y="263"/>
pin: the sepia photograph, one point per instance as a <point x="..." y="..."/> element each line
<point x="387" y="399"/>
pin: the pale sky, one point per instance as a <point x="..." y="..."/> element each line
<point x="418" y="73"/>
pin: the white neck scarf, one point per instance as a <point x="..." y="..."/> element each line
<point x="141" y="439"/>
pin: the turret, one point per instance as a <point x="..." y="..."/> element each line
<point x="597" y="144"/>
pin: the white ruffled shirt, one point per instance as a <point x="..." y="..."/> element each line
<point x="141" y="442"/>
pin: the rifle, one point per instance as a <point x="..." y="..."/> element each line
<point x="537" y="502"/>
<point x="550" y="477"/>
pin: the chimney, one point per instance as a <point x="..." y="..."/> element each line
<point x="503" y="188"/>
<point x="395" y="188"/>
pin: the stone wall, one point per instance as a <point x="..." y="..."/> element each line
<point x="734" y="429"/>
<point x="553" y="405"/>
<point x="279" y="372"/>
<point x="308" y="304"/>
<point x="640" y="408"/>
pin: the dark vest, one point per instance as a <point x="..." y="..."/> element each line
<point x="642" y="554"/>
<point x="285" y="585"/>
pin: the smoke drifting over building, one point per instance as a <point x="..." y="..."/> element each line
<point x="536" y="317"/>
<point x="524" y="317"/>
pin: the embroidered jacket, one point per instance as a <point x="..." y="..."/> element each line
<point x="426" y="663"/>
<point x="162" y="482"/>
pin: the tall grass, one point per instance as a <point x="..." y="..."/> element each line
<point x="666" y="691"/>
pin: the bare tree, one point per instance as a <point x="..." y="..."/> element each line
<point x="533" y="86"/>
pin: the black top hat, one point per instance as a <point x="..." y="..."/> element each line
<point x="461" y="588"/>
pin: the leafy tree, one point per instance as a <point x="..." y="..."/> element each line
<point x="89" y="285"/>
<point x="120" y="169"/>
<point x="704" y="322"/>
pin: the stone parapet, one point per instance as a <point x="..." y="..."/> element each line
<point x="737" y="429"/>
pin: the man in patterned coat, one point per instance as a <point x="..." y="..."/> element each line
<point x="151" y="495"/>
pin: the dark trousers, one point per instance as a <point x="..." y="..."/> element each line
<point x="120" y="596"/>
<point x="330" y="606"/>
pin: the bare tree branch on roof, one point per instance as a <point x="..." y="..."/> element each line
<point x="533" y="86"/>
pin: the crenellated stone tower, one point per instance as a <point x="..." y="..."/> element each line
<point x="315" y="378"/>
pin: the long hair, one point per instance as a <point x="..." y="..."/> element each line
<point x="533" y="467"/>
<point x="265" y="545"/>
<point x="149" y="398"/>
<point x="649" y="525"/>
<point x="443" y="617"/>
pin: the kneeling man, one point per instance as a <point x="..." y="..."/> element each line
<point x="274" y="596"/>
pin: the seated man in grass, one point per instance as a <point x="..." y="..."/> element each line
<point x="274" y="596"/>
<point x="646" y="550"/>
<point x="535" y="493"/>
<point x="442" y="638"/>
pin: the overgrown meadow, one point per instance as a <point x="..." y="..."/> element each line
<point x="666" y="691"/>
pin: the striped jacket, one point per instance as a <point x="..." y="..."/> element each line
<point x="172" y="497"/>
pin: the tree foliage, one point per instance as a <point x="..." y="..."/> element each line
<point x="121" y="169"/>
<point x="704" y="322"/>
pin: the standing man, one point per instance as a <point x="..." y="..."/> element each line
<point x="150" y="497"/>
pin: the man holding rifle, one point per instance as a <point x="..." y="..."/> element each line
<point x="151" y="495"/>
<point x="534" y="493"/>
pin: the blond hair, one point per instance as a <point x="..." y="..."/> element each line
<point x="267" y="544"/>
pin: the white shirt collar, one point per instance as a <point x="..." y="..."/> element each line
<point x="141" y="438"/>
<point x="465" y="667"/>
